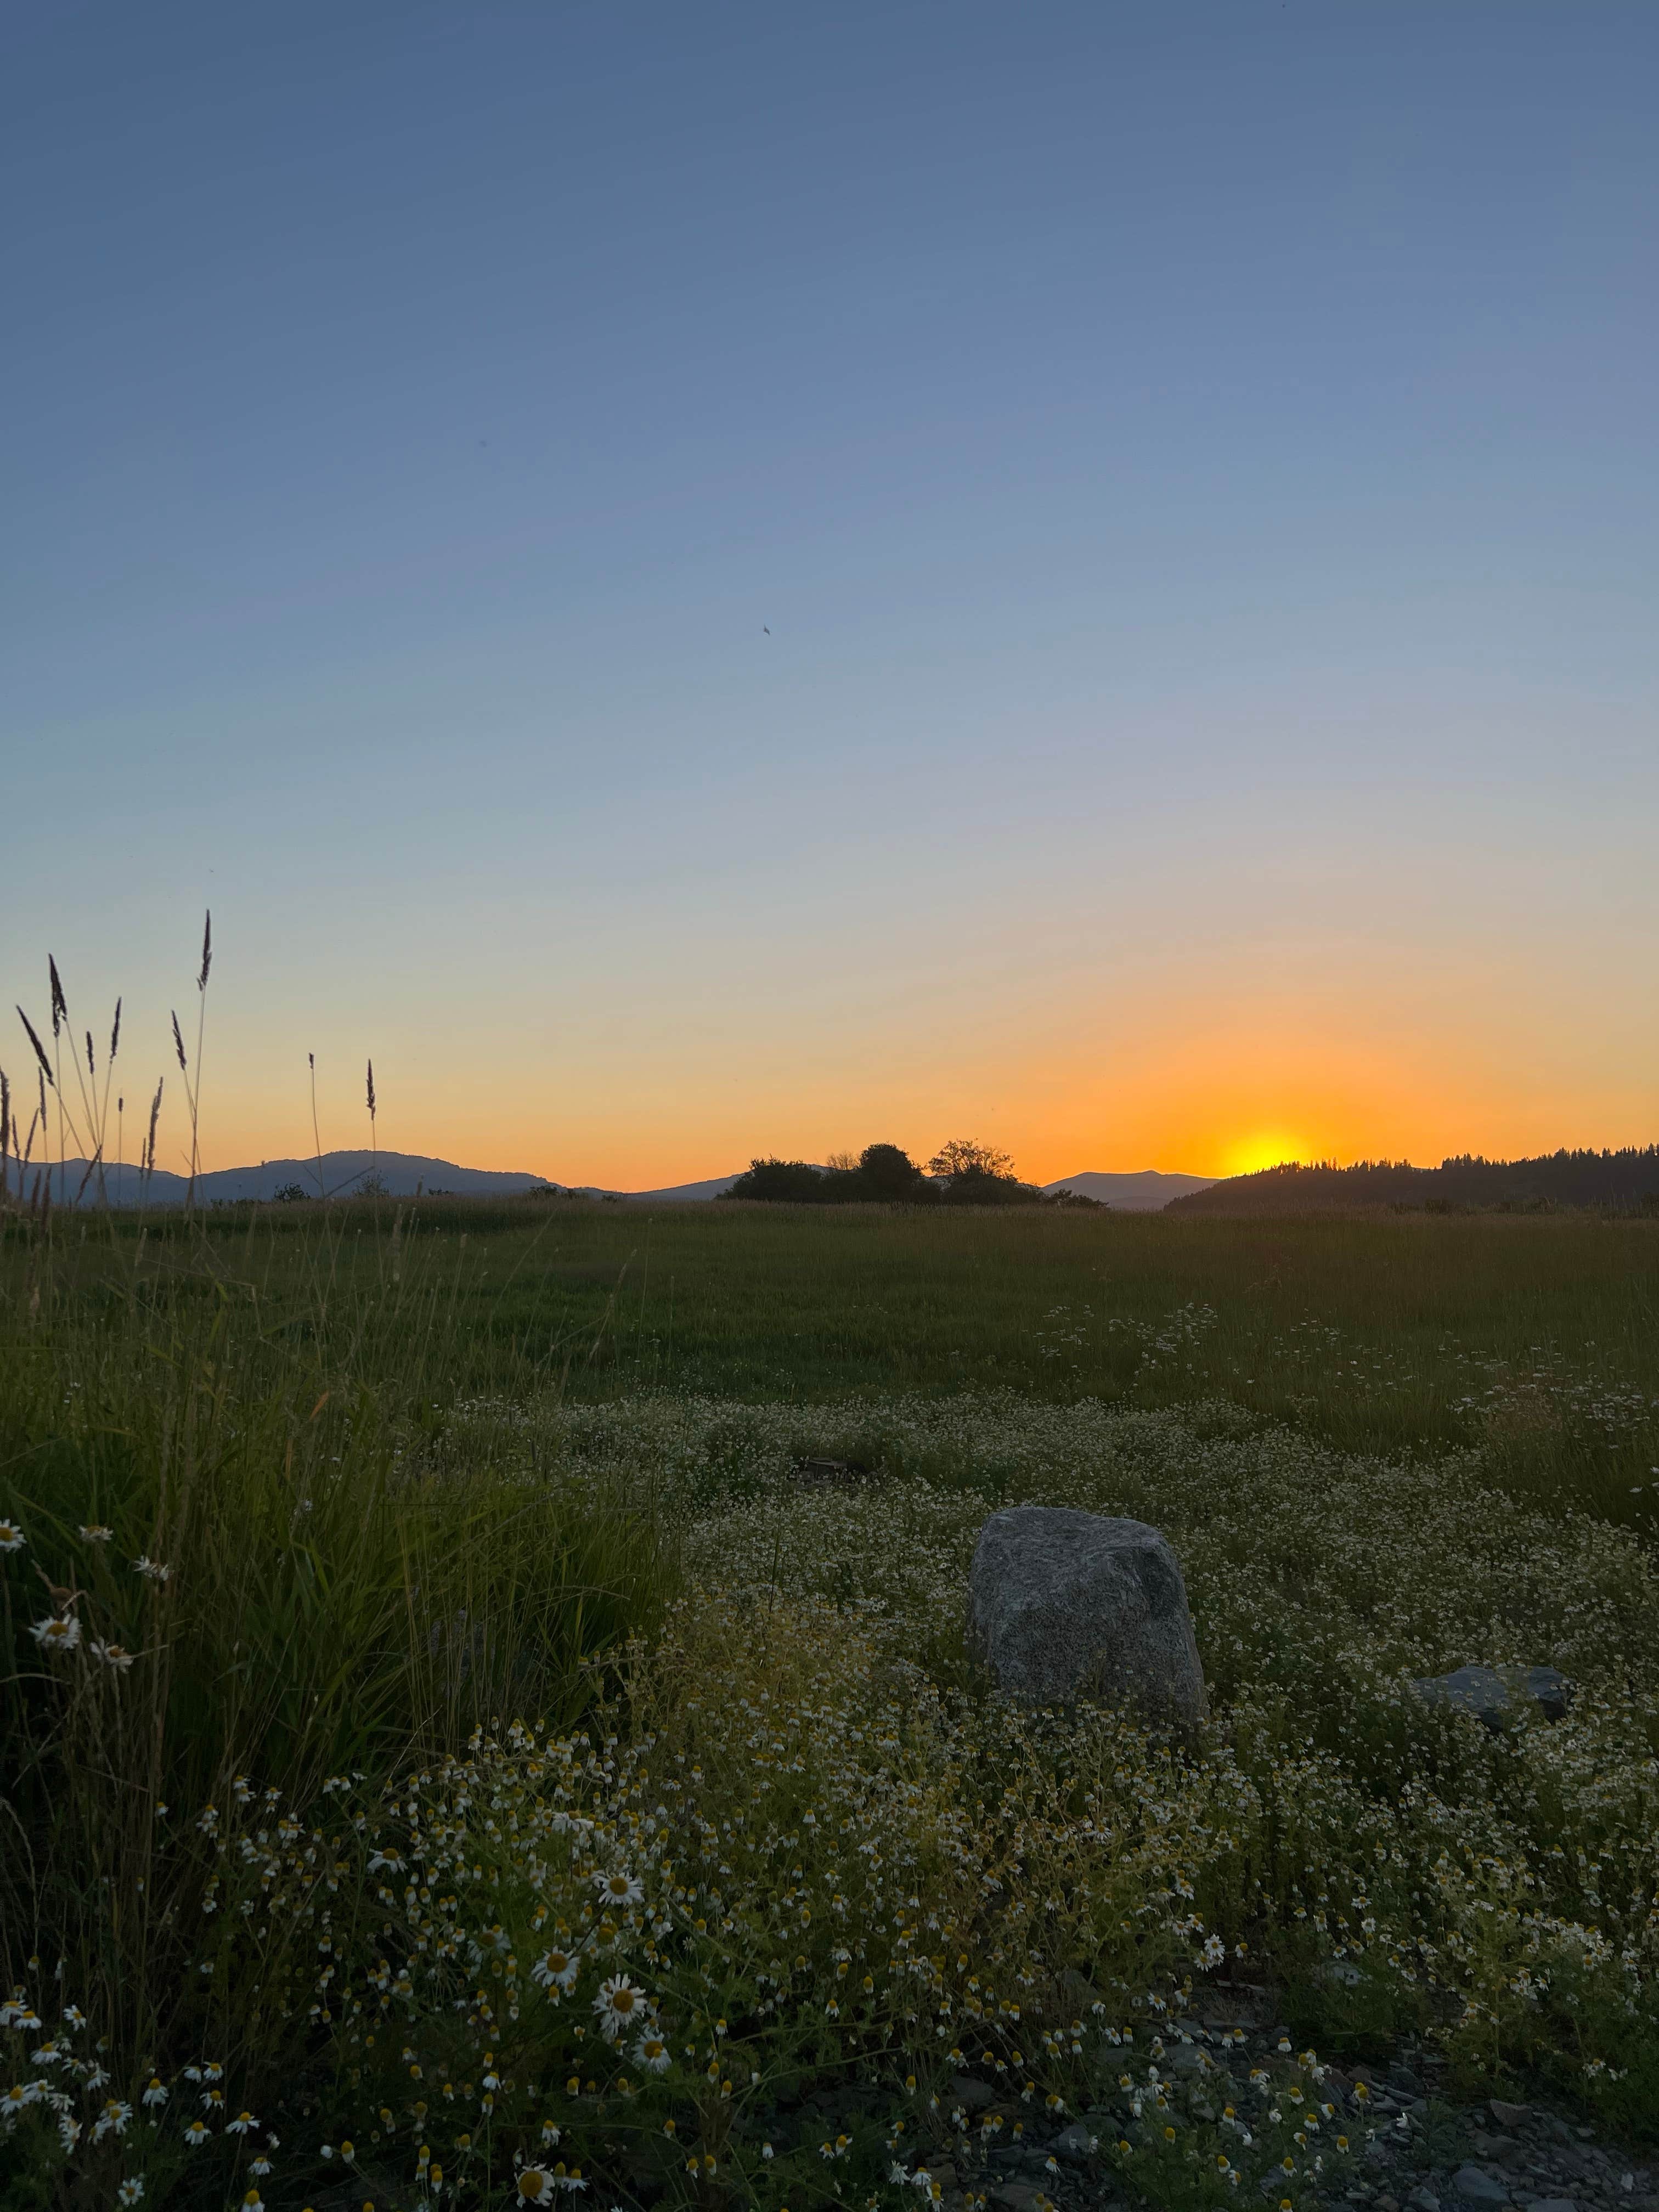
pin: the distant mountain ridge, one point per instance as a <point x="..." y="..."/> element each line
<point x="1148" y="1192"/>
<point x="1627" y="1180"/>
<point x="337" y="1175"/>
<point x="401" y="1175"/>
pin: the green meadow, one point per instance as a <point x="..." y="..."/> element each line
<point x="456" y="1752"/>
<point x="1536" y="1339"/>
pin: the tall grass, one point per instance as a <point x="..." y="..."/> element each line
<point x="1535" y="1341"/>
<point x="238" y="1502"/>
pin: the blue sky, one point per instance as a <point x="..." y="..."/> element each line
<point x="1196" y="466"/>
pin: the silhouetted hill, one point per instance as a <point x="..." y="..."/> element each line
<point x="342" y="1174"/>
<point x="1142" y="1193"/>
<point x="401" y="1174"/>
<point x="1626" y="1181"/>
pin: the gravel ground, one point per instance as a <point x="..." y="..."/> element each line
<point x="1411" y="2148"/>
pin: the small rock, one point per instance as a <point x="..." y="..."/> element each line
<point x="1403" y="2078"/>
<point x="1075" y="2144"/>
<point x="825" y="1473"/>
<point x="1063" y="1604"/>
<point x="1552" y="2204"/>
<point x="1422" y="2200"/>
<point x="1509" y="2115"/>
<point x="1478" y="2186"/>
<point x="973" y="2096"/>
<point x="1014" y="2196"/>
<point x="1506" y="2149"/>
<point x="1496" y="1695"/>
<point x="1188" y="2058"/>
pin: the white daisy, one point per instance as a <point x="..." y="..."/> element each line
<point x="557" y="1969"/>
<point x="59" y="1632"/>
<point x="619" y="1889"/>
<point x="535" y="2185"/>
<point x="113" y="1654"/>
<point x="620" y="2004"/>
<point x="12" y="1538"/>
<point x="653" y="2053"/>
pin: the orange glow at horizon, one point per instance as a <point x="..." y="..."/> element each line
<point x="1215" y="1069"/>
<point x="1249" y="1155"/>
<point x="1201" y="1103"/>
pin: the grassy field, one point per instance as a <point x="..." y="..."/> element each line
<point x="1536" y="1339"/>
<point x="442" y="1726"/>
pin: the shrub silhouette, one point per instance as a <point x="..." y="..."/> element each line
<point x="888" y="1172"/>
<point x="783" y="1182"/>
<point x="886" y="1176"/>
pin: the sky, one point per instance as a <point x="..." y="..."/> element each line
<point x="718" y="581"/>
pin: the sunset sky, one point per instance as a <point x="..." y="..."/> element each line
<point x="1196" y="464"/>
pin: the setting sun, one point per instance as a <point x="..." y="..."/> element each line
<point x="1247" y="1154"/>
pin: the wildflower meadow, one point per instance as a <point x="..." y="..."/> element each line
<point x="486" y="1718"/>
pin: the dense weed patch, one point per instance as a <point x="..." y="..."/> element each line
<point x="436" y="1790"/>
<point x="796" y="1863"/>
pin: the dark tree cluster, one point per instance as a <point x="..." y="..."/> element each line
<point x="961" y="1173"/>
<point x="1625" y="1181"/>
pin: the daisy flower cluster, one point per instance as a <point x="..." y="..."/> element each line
<point x="65" y="2112"/>
<point x="804" y="1913"/>
<point x="637" y="1958"/>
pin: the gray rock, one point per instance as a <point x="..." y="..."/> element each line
<point x="1339" y="1974"/>
<point x="1509" y="2115"/>
<point x="1552" y="2204"/>
<point x="1496" y="1695"/>
<point x="1480" y="2187"/>
<point x="1423" y="2200"/>
<point x="1063" y="1604"/>
<point x="973" y="2096"/>
<point x="1501" y="2150"/>
<point x="1074" y="2142"/>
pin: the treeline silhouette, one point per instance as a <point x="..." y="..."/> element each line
<point x="885" y="1174"/>
<point x="1624" y="1181"/>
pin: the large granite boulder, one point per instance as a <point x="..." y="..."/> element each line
<point x="1063" y="1605"/>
